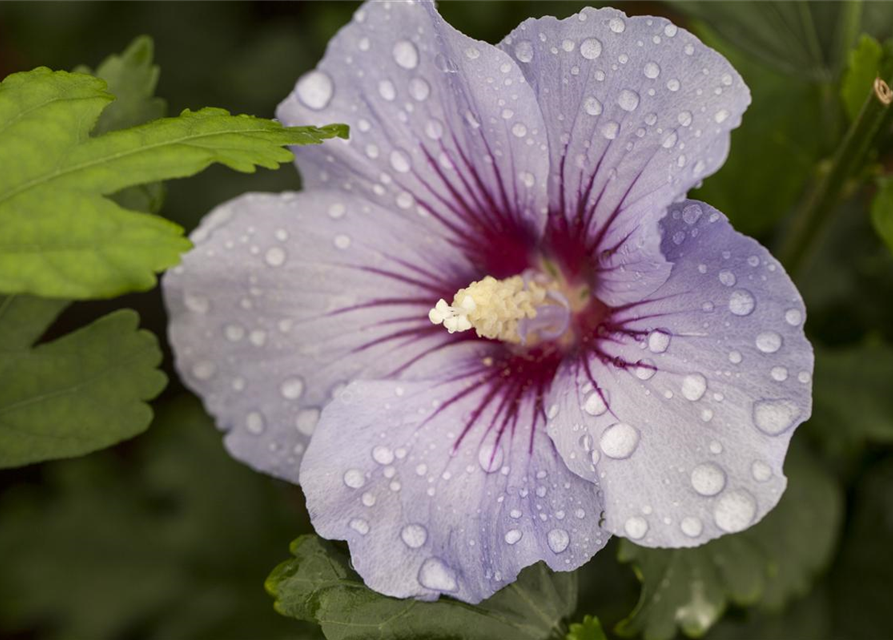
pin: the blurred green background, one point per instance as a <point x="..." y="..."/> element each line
<point x="165" y="537"/>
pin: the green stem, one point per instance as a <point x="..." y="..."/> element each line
<point x="835" y="178"/>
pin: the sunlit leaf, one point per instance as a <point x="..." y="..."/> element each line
<point x="60" y="236"/>
<point x="589" y="629"/>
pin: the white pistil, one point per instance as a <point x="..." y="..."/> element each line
<point x="493" y="307"/>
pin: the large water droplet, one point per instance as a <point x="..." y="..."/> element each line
<point x="592" y="106"/>
<point x="651" y="70"/>
<point x="727" y="278"/>
<point x="693" y="386"/>
<point x="291" y="388"/>
<point x="768" y="342"/>
<point x="387" y="90"/>
<point x="524" y="51"/>
<point x="760" y="471"/>
<point x="775" y="416"/>
<point x="419" y="89"/>
<point x="400" y="161"/>
<point x="645" y="369"/>
<point x="636" y="527"/>
<point x="382" y="455"/>
<point x="616" y="25"/>
<point x="558" y="540"/>
<point x="708" y="479"/>
<point x="360" y="526"/>
<point x="354" y="478"/>
<point x="414" y="535"/>
<point x="793" y="317"/>
<point x="691" y="526"/>
<point x="595" y="404"/>
<point x="735" y="511"/>
<point x="658" y="341"/>
<point x="590" y="48"/>
<point x="742" y="302"/>
<point x="406" y="55"/>
<point x="307" y="420"/>
<point x="490" y="457"/>
<point x="435" y="575"/>
<point x="619" y="441"/>
<point x="315" y="90"/>
<point x="513" y="535"/>
<point x="628" y="100"/>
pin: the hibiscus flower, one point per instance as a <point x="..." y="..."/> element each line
<point x="491" y="330"/>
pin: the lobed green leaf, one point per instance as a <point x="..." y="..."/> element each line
<point x="79" y="393"/>
<point x="318" y="585"/>
<point x="60" y="233"/>
<point x="589" y="629"/>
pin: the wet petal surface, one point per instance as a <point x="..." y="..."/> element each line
<point x="442" y="126"/>
<point x="684" y="415"/>
<point x="285" y="299"/>
<point x="638" y="112"/>
<point x="431" y="506"/>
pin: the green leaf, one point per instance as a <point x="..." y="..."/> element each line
<point x="131" y="78"/>
<point x="589" y="629"/>
<point x="168" y="540"/>
<point x="82" y="392"/>
<point x="863" y="67"/>
<point x="853" y="405"/>
<point x="882" y="210"/>
<point x="59" y="235"/>
<point x="767" y="565"/>
<point x="774" y="151"/>
<point x="319" y="585"/>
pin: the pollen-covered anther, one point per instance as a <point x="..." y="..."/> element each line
<point x="504" y="310"/>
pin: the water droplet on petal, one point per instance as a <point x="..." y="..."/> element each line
<point x="742" y="302"/>
<point x="708" y="479"/>
<point x="651" y="70"/>
<point x="721" y="115"/>
<point x="382" y="455"/>
<point x="590" y="48"/>
<point x="727" y="278"/>
<point x="768" y="342"/>
<point x="619" y="441"/>
<point x="360" y="526"/>
<point x="779" y="374"/>
<point x="307" y="420"/>
<point x="354" y="478"/>
<point x="595" y="404"/>
<point x="760" y="471"/>
<point x="592" y="106"/>
<point x="735" y="511"/>
<point x="414" y="535"/>
<point x="628" y="100"/>
<point x="435" y="575"/>
<point x="693" y="386"/>
<point x="645" y="369"/>
<point x="558" y="540"/>
<point x="387" y="90"/>
<point x="512" y="536"/>
<point x="490" y="457"/>
<point x="524" y="51"/>
<point x="291" y="388"/>
<point x="405" y="54"/>
<point x="636" y="527"/>
<point x="658" y="341"/>
<point x="691" y="527"/>
<point x="254" y="422"/>
<point x="616" y="25"/>
<point x="400" y="161"/>
<point x="793" y="317"/>
<point x="773" y="417"/>
<point x="419" y="89"/>
<point x="315" y="90"/>
<point x="610" y="129"/>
